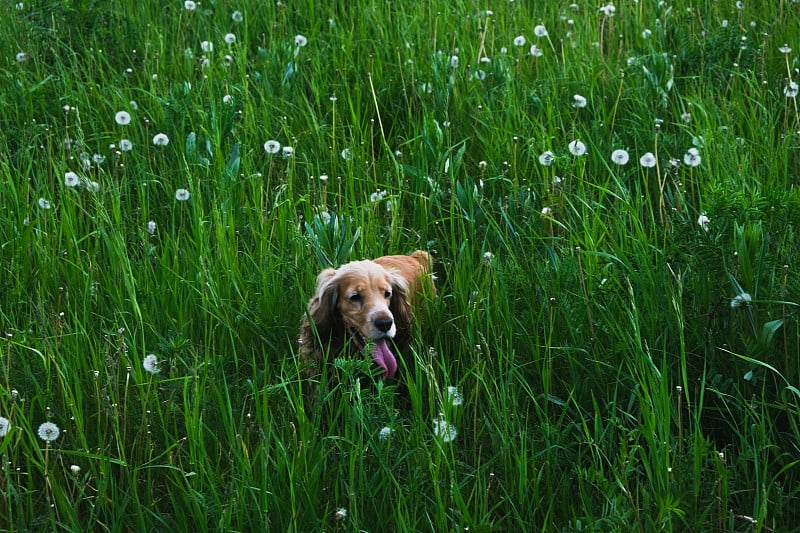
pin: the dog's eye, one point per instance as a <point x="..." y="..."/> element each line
<point x="387" y="294"/>
<point x="355" y="297"/>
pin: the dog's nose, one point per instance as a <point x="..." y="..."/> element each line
<point x="384" y="323"/>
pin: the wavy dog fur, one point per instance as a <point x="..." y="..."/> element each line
<point x="364" y="302"/>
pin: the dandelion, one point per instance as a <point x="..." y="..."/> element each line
<point x="519" y="40"/>
<point x="648" y="160"/>
<point x="230" y="38"/>
<point x="487" y="258"/>
<point x="75" y="470"/>
<point x="92" y="186"/>
<point x="791" y="90"/>
<point x="692" y="157"/>
<point x="454" y="61"/>
<point x="98" y="159"/>
<point x="444" y="429"/>
<point x="578" y="101"/>
<point x="287" y="152"/>
<point x="48" y="432"/>
<point x="536" y="51"/>
<point x="227" y="99"/>
<point x="686" y="117"/>
<point x="546" y="211"/>
<point x="182" y="195"/>
<point x="377" y="196"/>
<point x="785" y="49"/>
<point x="125" y="145"/>
<point x="71" y="179"/>
<point x="150" y="364"/>
<point x="123" y="118"/>
<point x="347" y="154"/>
<point x="740" y="300"/>
<point x="647" y="33"/>
<point x="547" y="158"/>
<point x="454" y="396"/>
<point x="161" y="139"/>
<point x="237" y="16"/>
<point x="207" y="46"/>
<point x="272" y="147"/>
<point x="703" y="221"/>
<point x="151" y="227"/>
<point x="385" y="433"/>
<point x="22" y="57"/>
<point x="608" y="10"/>
<point x="620" y="157"/>
<point x="540" y="31"/>
<point x="341" y="514"/>
<point x="300" y="40"/>
<point x="189" y="5"/>
<point x="44" y="203"/>
<point x="5" y="425"/>
<point x="577" y="148"/>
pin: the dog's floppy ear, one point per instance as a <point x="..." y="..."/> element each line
<point x="320" y="319"/>
<point x="400" y="307"/>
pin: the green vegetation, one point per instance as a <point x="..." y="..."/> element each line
<point x="622" y="331"/>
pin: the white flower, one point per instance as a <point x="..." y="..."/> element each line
<point x="22" y="57"/>
<point x="125" y="145"/>
<point x="741" y="300"/>
<point x="300" y="40"/>
<point x="161" y="139"/>
<point x="578" y="101"/>
<point x="577" y="148"/>
<point x="686" y="117"/>
<point x="75" y="469"/>
<point x="454" y="396"/>
<point x="182" y="195"/>
<point x="692" y="157"/>
<point x="540" y="31"/>
<point x="444" y="429"/>
<point x="785" y="49"/>
<point x="48" y="432"/>
<point x="608" y="10"/>
<point x="341" y="514"/>
<point x="151" y="227"/>
<point x="272" y="147"/>
<point x="5" y="425"/>
<point x="347" y="154"/>
<point x="385" y="433"/>
<point x="648" y="160"/>
<point x="546" y="211"/>
<point x="150" y="364"/>
<point x="519" y="40"/>
<point x="547" y="158"/>
<point x="287" y="151"/>
<point x="92" y="186"/>
<point x="44" y="203"/>
<point x="536" y="51"/>
<point x="123" y="118"/>
<point x="98" y="159"/>
<point x="620" y="157"/>
<point x="189" y="5"/>
<point x="703" y="221"/>
<point x="71" y="179"/>
<point x="791" y="90"/>
<point x="227" y="99"/>
<point x="237" y="16"/>
<point x="230" y="38"/>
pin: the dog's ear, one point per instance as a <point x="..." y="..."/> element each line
<point x="401" y="309"/>
<point x="320" y="318"/>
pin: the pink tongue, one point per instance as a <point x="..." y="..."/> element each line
<point x="384" y="357"/>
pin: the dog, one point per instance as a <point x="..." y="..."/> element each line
<point x="365" y="303"/>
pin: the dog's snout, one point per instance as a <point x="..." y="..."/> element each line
<point x="384" y="323"/>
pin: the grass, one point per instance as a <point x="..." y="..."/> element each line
<point x="623" y="363"/>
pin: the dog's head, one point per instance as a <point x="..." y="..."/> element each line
<point x="365" y="302"/>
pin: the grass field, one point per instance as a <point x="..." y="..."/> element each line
<point x="610" y="194"/>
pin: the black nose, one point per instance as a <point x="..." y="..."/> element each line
<point x="384" y="323"/>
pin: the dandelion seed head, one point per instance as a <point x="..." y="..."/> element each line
<point x="123" y="118"/>
<point x="444" y="430"/>
<point x="648" y="160"/>
<point x="791" y="90"/>
<point x="71" y="179"/>
<point x="48" y="432"/>
<point x="22" y="57"/>
<point x="151" y="227"/>
<point x="230" y="38"/>
<point x="385" y="433"/>
<point x="519" y="40"/>
<point x="579" y="101"/>
<point x="189" y="5"/>
<point x="741" y="300"/>
<point x="150" y="364"/>
<point x="5" y="426"/>
<point x="300" y="40"/>
<point x="44" y="203"/>
<point x="577" y="148"/>
<point x="703" y="221"/>
<point x="619" y="157"/>
<point x="161" y="139"/>
<point x="536" y="51"/>
<point x="540" y="31"/>
<point x="454" y="396"/>
<point x="287" y="151"/>
<point x="182" y="195"/>
<point x="125" y="145"/>
<point x="237" y="16"/>
<point x="341" y="514"/>
<point x="272" y="147"/>
<point x="547" y="158"/>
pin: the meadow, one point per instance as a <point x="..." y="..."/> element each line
<point x="610" y="195"/>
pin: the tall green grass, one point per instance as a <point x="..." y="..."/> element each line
<point x="624" y="338"/>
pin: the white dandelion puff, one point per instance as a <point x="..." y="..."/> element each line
<point x="161" y="139"/>
<point x="150" y="364"/>
<point x="648" y="160"/>
<point x="703" y="221"/>
<point x="741" y="300"/>
<point x="619" y="156"/>
<point x="547" y="158"/>
<point x="48" y="432"/>
<point x="272" y="147"/>
<point x="444" y="429"/>
<point x="454" y="396"/>
<point x="71" y="179"/>
<point x="519" y="40"/>
<point x="123" y="118"/>
<point x="577" y="148"/>
<point x="182" y="195"/>
<point x="5" y="426"/>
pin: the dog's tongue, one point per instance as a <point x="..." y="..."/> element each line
<point x="384" y="357"/>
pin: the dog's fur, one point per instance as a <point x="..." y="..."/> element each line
<point x="364" y="302"/>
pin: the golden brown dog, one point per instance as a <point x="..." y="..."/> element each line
<point x="365" y="302"/>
